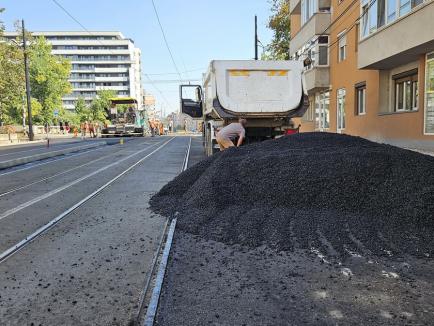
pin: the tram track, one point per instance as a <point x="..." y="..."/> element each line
<point x="65" y="172"/>
<point x="41" y="230"/>
<point x="156" y="276"/>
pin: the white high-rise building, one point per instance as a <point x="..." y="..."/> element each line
<point x="100" y="60"/>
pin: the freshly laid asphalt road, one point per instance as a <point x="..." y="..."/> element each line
<point x="91" y="267"/>
<point x="268" y="265"/>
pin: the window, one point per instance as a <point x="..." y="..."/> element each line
<point x="373" y="16"/>
<point x="381" y="12"/>
<point x="415" y="3"/>
<point x="406" y="91"/>
<point x="377" y="13"/>
<point x="341" y="109"/>
<point x="391" y="10"/>
<point x="361" y="98"/>
<point x="405" y="7"/>
<point x="317" y="50"/>
<point x="309" y="114"/>
<point x="323" y="114"/>
<point x="308" y="9"/>
<point x="365" y="19"/>
<point x="429" y="95"/>
<point x="342" y="52"/>
<point x="323" y="57"/>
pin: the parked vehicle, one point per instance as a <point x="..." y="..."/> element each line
<point x="267" y="93"/>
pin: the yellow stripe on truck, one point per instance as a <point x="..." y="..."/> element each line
<point x="242" y="73"/>
<point x="277" y="73"/>
<point x="246" y="73"/>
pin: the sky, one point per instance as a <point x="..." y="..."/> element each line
<point x="197" y="32"/>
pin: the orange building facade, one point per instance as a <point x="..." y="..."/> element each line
<point x="372" y="71"/>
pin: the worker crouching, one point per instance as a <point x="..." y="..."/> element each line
<point x="225" y="135"/>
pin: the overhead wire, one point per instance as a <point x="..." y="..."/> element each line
<point x="165" y="40"/>
<point x="353" y="24"/>
<point x="158" y="90"/>
<point x="175" y="73"/>
<point x="328" y="28"/>
<point x="99" y="41"/>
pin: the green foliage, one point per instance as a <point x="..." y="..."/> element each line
<point x="48" y="79"/>
<point x="279" y="23"/>
<point x="82" y="111"/>
<point x="101" y="104"/>
<point x="11" y="81"/>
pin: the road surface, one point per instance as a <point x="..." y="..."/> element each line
<point x="91" y="267"/>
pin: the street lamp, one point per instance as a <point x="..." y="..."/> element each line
<point x="26" y="71"/>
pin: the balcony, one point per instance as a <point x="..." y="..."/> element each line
<point x="112" y="70"/>
<point x="316" y="25"/>
<point x="317" y="79"/>
<point x="399" y="42"/>
<point x="111" y="79"/>
<point x="294" y="6"/>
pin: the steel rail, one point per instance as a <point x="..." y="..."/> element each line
<point x="60" y="173"/>
<point x="159" y="278"/>
<point x="41" y="147"/>
<point x="21" y="244"/>
<point x="68" y="185"/>
<point x="53" y="159"/>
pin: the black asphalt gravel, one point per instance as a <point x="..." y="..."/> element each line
<point x="337" y="193"/>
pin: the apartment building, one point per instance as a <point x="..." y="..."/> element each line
<point x="100" y="60"/>
<point x="372" y="71"/>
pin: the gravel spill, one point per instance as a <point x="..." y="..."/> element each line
<point x="337" y="194"/>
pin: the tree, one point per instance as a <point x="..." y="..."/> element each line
<point x="82" y="110"/>
<point x="100" y="105"/>
<point x="11" y="81"/>
<point x="48" y="78"/>
<point x="279" y="22"/>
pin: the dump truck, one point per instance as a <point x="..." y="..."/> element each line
<point x="266" y="93"/>
<point x="127" y="120"/>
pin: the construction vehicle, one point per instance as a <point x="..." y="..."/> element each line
<point x="127" y="120"/>
<point x="266" y="93"/>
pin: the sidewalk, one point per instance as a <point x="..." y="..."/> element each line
<point x="40" y="139"/>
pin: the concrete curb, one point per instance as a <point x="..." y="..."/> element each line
<point x="41" y="156"/>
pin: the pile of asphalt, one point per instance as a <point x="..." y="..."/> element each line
<point x="335" y="193"/>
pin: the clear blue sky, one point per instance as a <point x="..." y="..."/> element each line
<point x="197" y="31"/>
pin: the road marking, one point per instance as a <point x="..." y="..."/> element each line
<point x="18" y="246"/>
<point x="57" y="190"/>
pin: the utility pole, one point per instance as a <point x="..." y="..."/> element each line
<point x="24" y="114"/>
<point x="26" y="70"/>
<point x="256" y="37"/>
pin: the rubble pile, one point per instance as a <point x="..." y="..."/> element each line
<point x="337" y="193"/>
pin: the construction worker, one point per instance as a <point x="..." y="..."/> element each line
<point x="161" y="128"/>
<point x="151" y="127"/>
<point x="225" y="135"/>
